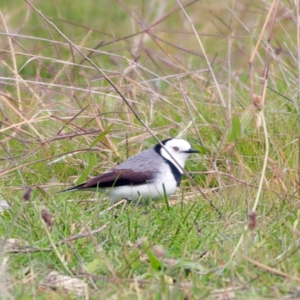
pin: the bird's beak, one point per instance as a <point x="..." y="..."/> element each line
<point x="191" y="151"/>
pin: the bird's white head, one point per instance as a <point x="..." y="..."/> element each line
<point x="178" y="150"/>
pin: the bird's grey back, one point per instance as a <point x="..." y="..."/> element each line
<point x="147" y="160"/>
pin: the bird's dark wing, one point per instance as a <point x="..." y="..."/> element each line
<point x="117" y="177"/>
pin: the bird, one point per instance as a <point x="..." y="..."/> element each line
<point x="148" y="175"/>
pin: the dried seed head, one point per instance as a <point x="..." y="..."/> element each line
<point x="47" y="217"/>
<point x="252" y="220"/>
<point x="257" y="102"/>
<point x="159" y="251"/>
<point x="27" y="194"/>
<point x="140" y="241"/>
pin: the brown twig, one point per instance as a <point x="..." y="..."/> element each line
<point x="61" y="242"/>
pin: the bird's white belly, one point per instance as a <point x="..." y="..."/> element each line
<point x="144" y="192"/>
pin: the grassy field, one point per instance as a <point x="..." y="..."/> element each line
<point x="84" y="85"/>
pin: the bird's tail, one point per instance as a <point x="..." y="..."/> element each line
<point x="72" y="189"/>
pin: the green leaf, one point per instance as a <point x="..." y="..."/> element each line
<point x="155" y="263"/>
<point x="101" y="136"/>
<point x="92" y="157"/>
<point x="236" y="129"/>
<point x="92" y="266"/>
<point x="87" y="171"/>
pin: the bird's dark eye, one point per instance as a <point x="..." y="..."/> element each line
<point x="175" y="149"/>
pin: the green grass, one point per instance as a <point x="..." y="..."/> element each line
<point x="61" y="122"/>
